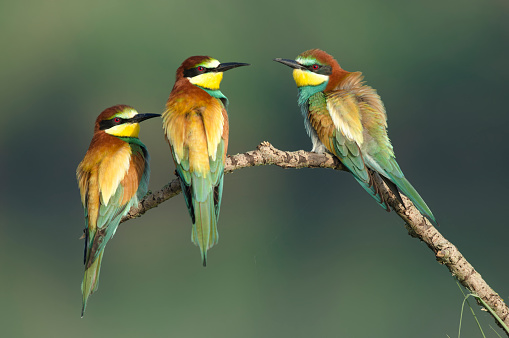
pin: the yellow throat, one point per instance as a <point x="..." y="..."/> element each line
<point x="305" y="78"/>
<point x="125" y="130"/>
<point x="208" y="80"/>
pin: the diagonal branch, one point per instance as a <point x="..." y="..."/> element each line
<point x="417" y="225"/>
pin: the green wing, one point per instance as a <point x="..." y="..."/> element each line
<point x="345" y="149"/>
<point x="202" y="193"/>
<point x="378" y="151"/>
<point x="107" y="223"/>
<point x="111" y="214"/>
<point x="389" y="168"/>
<point x="138" y="148"/>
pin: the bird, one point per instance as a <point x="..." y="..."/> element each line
<point x="112" y="177"/>
<point x="346" y="117"/>
<point x="195" y="123"/>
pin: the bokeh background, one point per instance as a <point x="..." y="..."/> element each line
<point x="302" y="253"/>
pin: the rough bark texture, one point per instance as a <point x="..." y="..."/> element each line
<point x="265" y="154"/>
<point x="417" y="225"/>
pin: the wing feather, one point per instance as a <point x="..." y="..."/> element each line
<point x="112" y="170"/>
<point x="199" y="150"/>
<point x="105" y="204"/>
<point x="377" y="147"/>
<point x="133" y="178"/>
<point x="336" y="119"/>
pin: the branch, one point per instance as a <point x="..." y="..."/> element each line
<point x="265" y="154"/>
<point x="417" y="225"/>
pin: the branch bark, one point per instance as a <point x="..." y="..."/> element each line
<point x="265" y="154"/>
<point x="417" y="225"/>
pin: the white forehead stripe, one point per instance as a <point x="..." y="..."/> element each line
<point x="127" y="114"/>
<point x="212" y="63"/>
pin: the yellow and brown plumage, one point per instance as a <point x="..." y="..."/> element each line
<point x="112" y="177"/>
<point x="195" y="123"/>
<point x="347" y="118"/>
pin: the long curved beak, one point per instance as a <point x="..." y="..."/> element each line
<point x="142" y="117"/>
<point x="223" y="67"/>
<point x="290" y="63"/>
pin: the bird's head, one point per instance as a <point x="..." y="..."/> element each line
<point x="313" y="68"/>
<point x="204" y="71"/>
<point x="121" y="121"/>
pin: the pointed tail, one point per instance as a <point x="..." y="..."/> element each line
<point x="396" y="184"/>
<point x="374" y="190"/>
<point x="91" y="281"/>
<point x="204" y="232"/>
<point x="407" y="189"/>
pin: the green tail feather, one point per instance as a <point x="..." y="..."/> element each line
<point x="388" y="169"/>
<point x="407" y="189"/>
<point x="204" y="232"/>
<point x="202" y="192"/>
<point x="91" y="281"/>
<point x="373" y="190"/>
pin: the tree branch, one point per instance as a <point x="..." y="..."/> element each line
<point x="417" y="225"/>
<point x="265" y="154"/>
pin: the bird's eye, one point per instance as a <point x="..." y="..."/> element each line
<point x="200" y="68"/>
<point x="315" y="66"/>
<point x="116" y="120"/>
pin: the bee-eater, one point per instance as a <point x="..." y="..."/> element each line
<point x="196" y="126"/>
<point x="347" y="118"/>
<point x="112" y="177"/>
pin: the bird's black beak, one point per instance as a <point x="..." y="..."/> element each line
<point x="223" y="67"/>
<point x="142" y="117"/>
<point x="290" y="63"/>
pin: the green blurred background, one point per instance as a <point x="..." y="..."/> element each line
<point x="302" y="253"/>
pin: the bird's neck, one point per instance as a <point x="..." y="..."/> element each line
<point x="131" y="140"/>
<point x="217" y="94"/>
<point x="305" y="92"/>
<point x="337" y="77"/>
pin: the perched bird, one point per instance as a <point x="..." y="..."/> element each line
<point x="347" y="118"/>
<point x="112" y="177"/>
<point x="196" y="126"/>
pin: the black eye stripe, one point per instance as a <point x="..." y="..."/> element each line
<point x="323" y="70"/>
<point x="106" y="124"/>
<point x="194" y="71"/>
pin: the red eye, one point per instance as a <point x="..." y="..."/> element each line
<point x="200" y="68"/>
<point x="116" y="119"/>
<point x="315" y="66"/>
